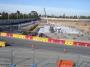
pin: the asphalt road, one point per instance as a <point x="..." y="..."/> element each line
<point x="48" y="46"/>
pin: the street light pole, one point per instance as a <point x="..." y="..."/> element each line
<point x="12" y="63"/>
<point x="17" y="15"/>
<point x="9" y="21"/>
<point x="33" y="54"/>
<point x="46" y="16"/>
<point x="23" y="16"/>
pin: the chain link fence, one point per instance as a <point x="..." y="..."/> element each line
<point x="26" y="57"/>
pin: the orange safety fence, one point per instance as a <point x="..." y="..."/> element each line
<point x="64" y="63"/>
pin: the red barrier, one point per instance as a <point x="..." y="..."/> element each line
<point x="9" y="35"/>
<point x="60" y="41"/>
<point x="82" y="44"/>
<point x="79" y="44"/>
<point x="88" y="44"/>
<point x="51" y="40"/>
<point x="56" y="41"/>
<point x="28" y="37"/>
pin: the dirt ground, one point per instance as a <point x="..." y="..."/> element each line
<point x="81" y="25"/>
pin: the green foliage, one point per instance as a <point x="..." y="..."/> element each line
<point x="19" y="15"/>
<point x="70" y="17"/>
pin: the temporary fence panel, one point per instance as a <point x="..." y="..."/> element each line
<point x="12" y="65"/>
<point x="69" y="42"/>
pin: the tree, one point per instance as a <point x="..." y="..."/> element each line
<point x="34" y="14"/>
<point x="83" y="17"/>
<point x="4" y="15"/>
<point x="18" y="14"/>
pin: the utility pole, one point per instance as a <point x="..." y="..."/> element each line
<point x="23" y="16"/>
<point x="9" y="21"/>
<point x="33" y="54"/>
<point x="33" y="64"/>
<point x="8" y="16"/>
<point x="17" y="15"/>
<point x="12" y="63"/>
<point x="46" y="16"/>
<point x="11" y="55"/>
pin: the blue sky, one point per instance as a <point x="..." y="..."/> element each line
<point x="53" y="7"/>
